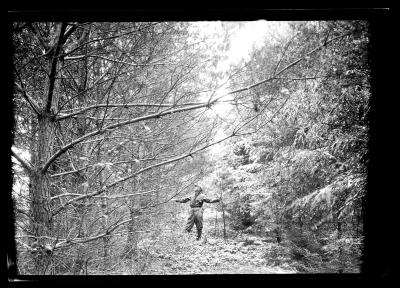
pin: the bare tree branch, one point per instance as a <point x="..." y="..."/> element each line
<point x="31" y="102"/>
<point x="113" y="163"/>
<point x="168" y="111"/>
<point x="107" y="38"/>
<point x="113" y="126"/>
<point x="303" y="78"/>
<point x="38" y="36"/>
<point x="68" y="33"/>
<point x="28" y="167"/>
<point x="112" y="60"/>
<point x="114" y="105"/>
<point x="286" y="67"/>
<point x="127" y="195"/>
<point x="105" y="188"/>
<point x="118" y="223"/>
<point x="284" y="52"/>
<point x="71" y="172"/>
<point x="156" y="115"/>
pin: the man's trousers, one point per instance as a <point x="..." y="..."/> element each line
<point x="195" y="217"/>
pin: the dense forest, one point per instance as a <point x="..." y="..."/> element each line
<point x="114" y="121"/>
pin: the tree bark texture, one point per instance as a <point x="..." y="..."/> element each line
<point x="40" y="189"/>
<point x="42" y="221"/>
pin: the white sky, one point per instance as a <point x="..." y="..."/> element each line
<point x="254" y="33"/>
<point x="250" y="34"/>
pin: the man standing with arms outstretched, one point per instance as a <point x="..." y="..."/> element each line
<point x="196" y="211"/>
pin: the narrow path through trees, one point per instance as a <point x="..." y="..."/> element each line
<point x="175" y="253"/>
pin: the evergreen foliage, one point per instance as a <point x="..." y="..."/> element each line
<point x="117" y="118"/>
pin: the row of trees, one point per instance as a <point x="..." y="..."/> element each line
<point x="104" y="111"/>
<point x="300" y="174"/>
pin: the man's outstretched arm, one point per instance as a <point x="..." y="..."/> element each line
<point x="183" y="200"/>
<point x="207" y="200"/>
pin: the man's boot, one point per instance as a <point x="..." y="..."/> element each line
<point x="198" y="234"/>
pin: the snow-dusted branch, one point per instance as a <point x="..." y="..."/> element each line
<point x="106" y="197"/>
<point x="275" y="75"/>
<point x="105" y="38"/>
<point x="116" y="125"/>
<point x="112" y="60"/>
<point x="114" y="163"/>
<point x="23" y="163"/>
<point x="111" y="105"/>
<point x="105" y="188"/>
<point x="31" y="102"/>
<point x="117" y="105"/>
<point x="178" y="110"/>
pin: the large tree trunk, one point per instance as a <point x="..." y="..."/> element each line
<point x="39" y="190"/>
